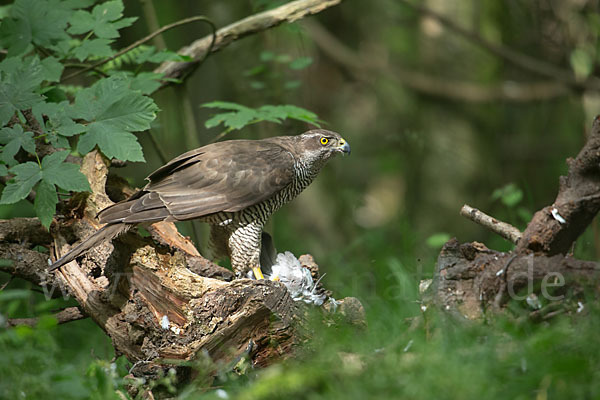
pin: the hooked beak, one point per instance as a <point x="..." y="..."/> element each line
<point x="344" y="146"/>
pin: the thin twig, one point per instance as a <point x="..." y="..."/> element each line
<point x="144" y="40"/>
<point x="503" y="229"/>
<point x="66" y="315"/>
<point x="289" y="12"/>
<point x="521" y="60"/>
<point x="6" y="283"/>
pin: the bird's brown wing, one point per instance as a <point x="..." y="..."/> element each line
<point x="226" y="176"/>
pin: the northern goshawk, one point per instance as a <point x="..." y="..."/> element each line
<point x="233" y="185"/>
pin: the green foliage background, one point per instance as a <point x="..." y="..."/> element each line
<point x="374" y="221"/>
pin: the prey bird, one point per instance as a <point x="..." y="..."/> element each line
<point x="234" y="185"/>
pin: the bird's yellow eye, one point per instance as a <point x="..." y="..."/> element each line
<point x="324" y="141"/>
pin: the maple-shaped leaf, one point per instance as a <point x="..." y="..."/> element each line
<point x="20" y="81"/>
<point x="97" y="48"/>
<point x="65" y="175"/>
<point x="56" y="172"/>
<point x="14" y="139"/>
<point x="26" y="175"/>
<point x="241" y="116"/>
<point x="113" y="111"/>
<point x="105" y="20"/>
<point x="42" y="23"/>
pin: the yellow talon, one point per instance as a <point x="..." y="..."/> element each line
<point x="258" y="273"/>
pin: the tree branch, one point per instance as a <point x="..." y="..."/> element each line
<point x="144" y="40"/>
<point x="521" y="60"/>
<point x="364" y="68"/>
<point x="503" y="229"/>
<point x="67" y="315"/>
<point x="553" y="229"/>
<point x="24" y="230"/>
<point x="289" y="12"/>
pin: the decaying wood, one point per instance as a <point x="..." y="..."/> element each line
<point x="160" y="302"/>
<point x="470" y="278"/>
<point x="554" y="228"/>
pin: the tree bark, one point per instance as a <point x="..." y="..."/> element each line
<point x="471" y="279"/>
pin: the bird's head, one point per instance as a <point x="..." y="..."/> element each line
<point x="320" y="145"/>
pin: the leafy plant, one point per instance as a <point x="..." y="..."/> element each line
<point x="42" y="120"/>
<point x="238" y="116"/>
<point x="268" y="73"/>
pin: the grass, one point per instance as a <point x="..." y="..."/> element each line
<point x="404" y="353"/>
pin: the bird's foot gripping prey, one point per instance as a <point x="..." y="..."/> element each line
<point x="233" y="185"/>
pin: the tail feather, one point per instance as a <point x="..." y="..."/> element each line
<point x="107" y="232"/>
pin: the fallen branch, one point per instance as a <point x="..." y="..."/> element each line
<point x="20" y="230"/>
<point x="289" y="12"/>
<point x="503" y="229"/>
<point x="470" y="278"/>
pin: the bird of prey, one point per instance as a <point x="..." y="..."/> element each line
<point x="233" y="185"/>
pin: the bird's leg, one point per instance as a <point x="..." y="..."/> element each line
<point x="244" y="248"/>
<point x="257" y="272"/>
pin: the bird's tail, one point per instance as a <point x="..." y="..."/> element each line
<point x="107" y="232"/>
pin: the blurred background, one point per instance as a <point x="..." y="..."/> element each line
<point x="444" y="103"/>
<point x="437" y="115"/>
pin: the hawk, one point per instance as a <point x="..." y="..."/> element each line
<point x="234" y="185"/>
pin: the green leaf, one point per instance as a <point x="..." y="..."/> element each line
<point x="510" y="195"/>
<point x="104" y="20"/>
<point x="582" y="62"/>
<point x="55" y="159"/>
<point x="19" y="81"/>
<point x="267" y="56"/>
<point x="301" y="114"/>
<point x="96" y="48"/>
<point x="242" y="116"/>
<point x="120" y="145"/>
<point x="52" y="69"/>
<point x="3" y="170"/>
<point x="113" y="111"/>
<point x="255" y="70"/>
<point x="15" y="36"/>
<point x="146" y="82"/>
<point x="45" y="202"/>
<point x="301" y="63"/>
<point x="14" y="98"/>
<point x="57" y="122"/>
<point x="26" y="176"/>
<point x="67" y="176"/>
<point x="225" y="105"/>
<point x="33" y="21"/>
<point x="437" y="240"/>
<point x="67" y="127"/>
<point x="14" y="139"/>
